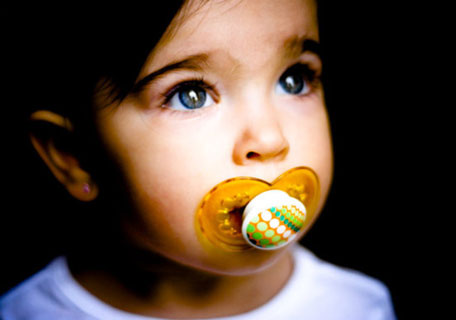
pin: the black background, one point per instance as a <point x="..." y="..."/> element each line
<point x="375" y="214"/>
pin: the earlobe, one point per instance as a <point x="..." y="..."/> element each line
<point x="64" y="165"/>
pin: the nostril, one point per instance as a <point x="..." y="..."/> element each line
<point x="252" y="155"/>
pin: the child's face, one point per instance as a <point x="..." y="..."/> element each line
<point x="239" y="105"/>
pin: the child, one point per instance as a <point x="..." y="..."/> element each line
<point x="229" y="89"/>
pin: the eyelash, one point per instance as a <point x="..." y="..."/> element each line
<point x="311" y="76"/>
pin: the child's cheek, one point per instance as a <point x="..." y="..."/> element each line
<point x="309" y="135"/>
<point x="169" y="177"/>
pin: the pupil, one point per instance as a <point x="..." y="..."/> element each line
<point x="192" y="98"/>
<point x="292" y="83"/>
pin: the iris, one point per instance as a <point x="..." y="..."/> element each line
<point x="294" y="80"/>
<point x="192" y="97"/>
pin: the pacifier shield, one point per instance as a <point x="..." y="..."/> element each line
<point x="221" y="218"/>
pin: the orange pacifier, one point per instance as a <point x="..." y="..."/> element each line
<point x="244" y="213"/>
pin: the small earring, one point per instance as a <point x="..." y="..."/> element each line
<point x="86" y="187"/>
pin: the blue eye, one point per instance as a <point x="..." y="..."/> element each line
<point x="189" y="96"/>
<point x="295" y="80"/>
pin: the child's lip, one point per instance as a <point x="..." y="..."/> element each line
<point x="219" y="216"/>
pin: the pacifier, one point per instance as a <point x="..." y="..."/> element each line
<point x="243" y="213"/>
<point x="272" y="219"/>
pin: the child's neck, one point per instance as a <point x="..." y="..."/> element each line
<point x="175" y="291"/>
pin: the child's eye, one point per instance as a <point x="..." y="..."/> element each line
<point x="189" y="95"/>
<point x="296" y="80"/>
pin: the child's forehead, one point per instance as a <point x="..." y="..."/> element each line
<point x="271" y="20"/>
<point x="231" y="29"/>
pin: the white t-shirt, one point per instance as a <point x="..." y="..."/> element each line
<point x="315" y="290"/>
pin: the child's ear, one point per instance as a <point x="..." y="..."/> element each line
<point x="49" y="132"/>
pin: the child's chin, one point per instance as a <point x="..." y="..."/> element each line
<point x="240" y="263"/>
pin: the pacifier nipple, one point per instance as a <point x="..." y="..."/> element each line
<point x="272" y="219"/>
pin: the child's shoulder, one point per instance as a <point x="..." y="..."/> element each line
<point x="344" y="290"/>
<point x="36" y="297"/>
<point x="330" y="274"/>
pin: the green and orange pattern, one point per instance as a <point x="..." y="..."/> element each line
<point x="274" y="227"/>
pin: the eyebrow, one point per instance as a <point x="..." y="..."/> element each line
<point x="293" y="46"/>
<point x="192" y="62"/>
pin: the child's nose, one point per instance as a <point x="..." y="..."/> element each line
<point x="261" y="137"/>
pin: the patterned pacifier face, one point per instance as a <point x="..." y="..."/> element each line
<point x="244" y="213"/>
<point x="272" y="219"/>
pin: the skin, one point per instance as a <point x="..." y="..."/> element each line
<point x="171" y="157"/>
